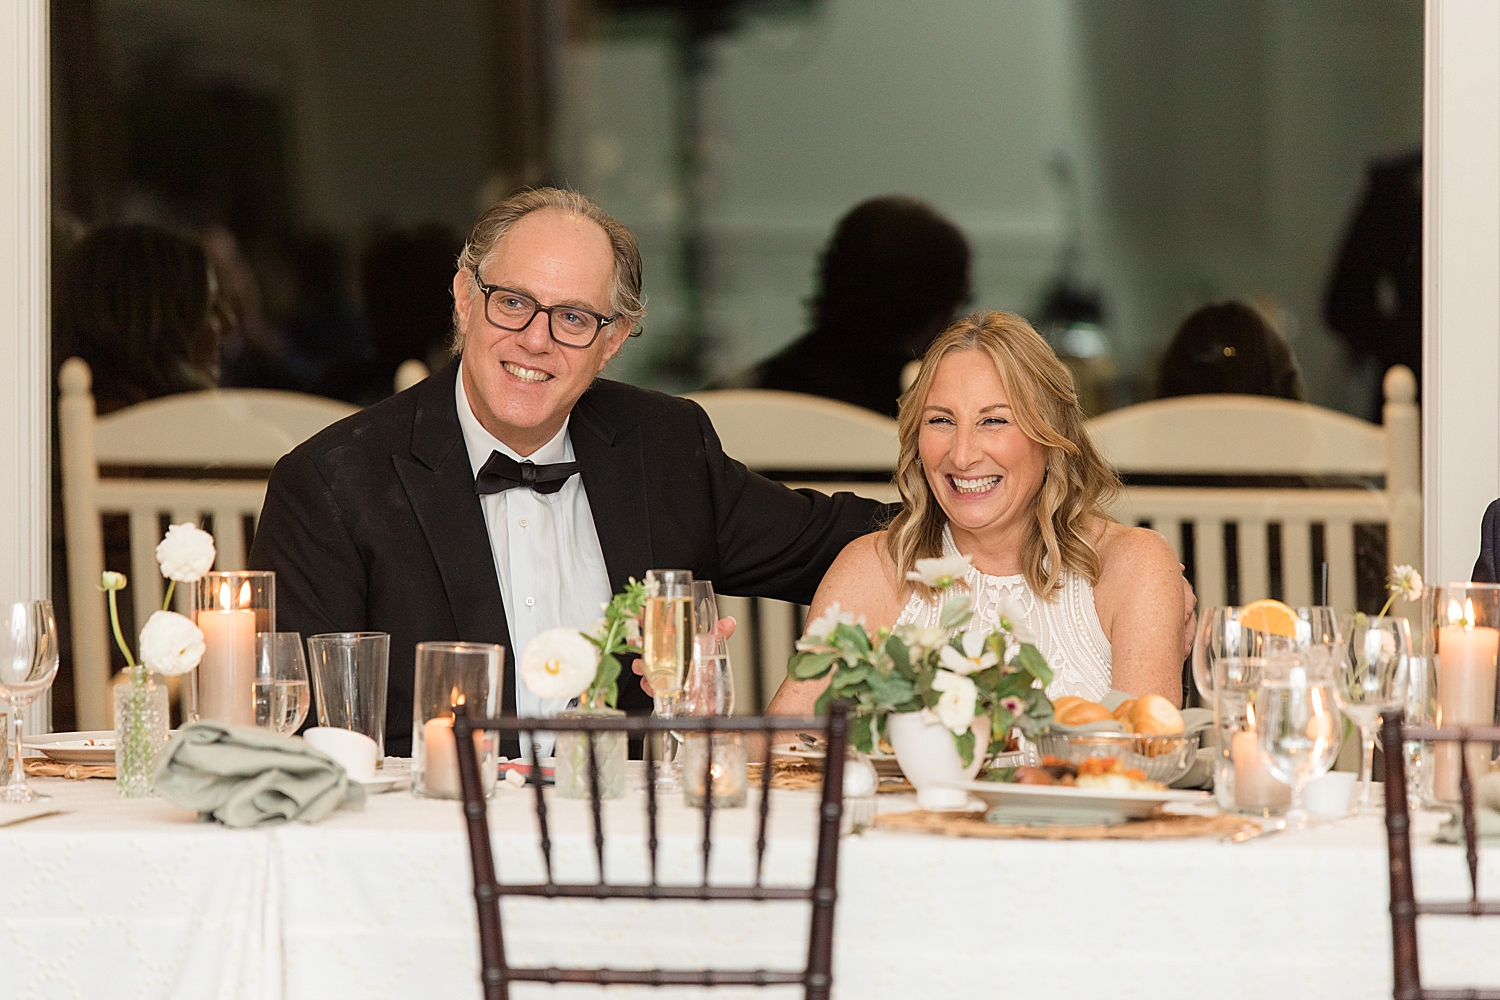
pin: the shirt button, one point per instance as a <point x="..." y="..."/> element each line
<point x="530" y="601"/>
<point x="522" y="522"/>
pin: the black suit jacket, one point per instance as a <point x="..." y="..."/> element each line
<point x="374" y="525"/>
<point x="1487" y="567"/>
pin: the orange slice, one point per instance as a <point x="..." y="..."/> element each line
<point x="1269" y="616"/>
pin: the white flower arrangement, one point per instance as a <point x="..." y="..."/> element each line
<point x="559" y="663"/>
<point x="186" y="553"/>
<point x="170" y="643"/>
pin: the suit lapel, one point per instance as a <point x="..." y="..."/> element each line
<point x="439" y="484"/>
<point x="614" y="476"/>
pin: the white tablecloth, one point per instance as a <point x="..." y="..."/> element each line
<point x="135" y="899"/>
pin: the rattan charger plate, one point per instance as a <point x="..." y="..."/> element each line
<point x="1164" y="826"/>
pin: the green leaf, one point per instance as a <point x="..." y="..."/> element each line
<point x="955" y="612"/>
<point x="900" y="657"/>
<point x="848" y="677"/>
<point x="891" y="690"/>
<point x="851" y="637"/>
<point x="965" y="743"/>
<point x="606" y="679"/>
<point x="859" y="733"/>
<point x="1032" y="662"/>
<point x="810" y="666"/>
<point x="820" y="707"/>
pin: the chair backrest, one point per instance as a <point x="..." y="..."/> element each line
<point x="801" y="441"/>
<point x="1405" y="908"/>
<point x="1244" y="485"/>
<point x="410" y="373"/>
<point x="497" y="974"/>
<point x="188" y="457"/>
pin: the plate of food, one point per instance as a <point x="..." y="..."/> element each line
<point x="810" y="748"/>
<point x="93" y="747"/>
<point x="1098" y="791"/>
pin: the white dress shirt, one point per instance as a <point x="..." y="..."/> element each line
<point x="547" y="554"/>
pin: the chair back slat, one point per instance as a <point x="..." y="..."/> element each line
<point x="496" y="972"/>
<point x="1471" y="836"/>
<point x="765" y="815"/>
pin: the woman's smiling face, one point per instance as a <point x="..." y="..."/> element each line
<point x="982" y="468"/>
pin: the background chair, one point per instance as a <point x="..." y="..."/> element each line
<point x="198" y="456"/>
<point x="802" y="441"/>
<point x="496" y="972"/>
<point x="1256" y="493"/>
<point x="1405" y="909"/>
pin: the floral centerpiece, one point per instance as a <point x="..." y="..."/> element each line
<point x="978" y="685"/>
<point x="566" y="663"/>
<point x="170" y="645"/>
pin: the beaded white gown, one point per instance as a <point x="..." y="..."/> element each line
<point x="1067" y="630"/>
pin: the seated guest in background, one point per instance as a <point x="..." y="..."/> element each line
<point x="139" y="304"/>
<point x="1485" y="568"/>
<point x="1228" y="347"/>
<point x="893" y="275"/>
<point x="514" y="491"/>
<point x="995" y="464"/>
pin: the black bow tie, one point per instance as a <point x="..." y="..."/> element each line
<point x="501" y="473"/>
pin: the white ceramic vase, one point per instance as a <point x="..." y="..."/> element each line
<point x="930" y="760"/>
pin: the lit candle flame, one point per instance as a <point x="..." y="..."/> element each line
<point x="1461" y="616"/>
<point x="224" y="595"/>
<point x="244" y="593"/>
<point x="1249" y="718"/>
<point x="455" y="697"/>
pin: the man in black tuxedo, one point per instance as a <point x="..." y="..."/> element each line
<point x="514" y="490"/>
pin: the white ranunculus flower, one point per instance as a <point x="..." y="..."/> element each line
<point x="186" y="553"/>
<point x="920" y="641"/>
<point x="940" y="573"/>
<point x="1406" y="583"/>
<point x="112" y="581"/>
<point x="170" y="643"/>
<point x="559" y="663"/>
<point x="1012" y="616"/>
<point x="974" y="657"/>
<point x="955" y="707"/>
<point x="821" y="627"/>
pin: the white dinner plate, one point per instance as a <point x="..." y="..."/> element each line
<point x="1057" y="805"/>
<point x="93" y="747"/>
<point x="384" y="783"/>
<point x="885" y="764"/>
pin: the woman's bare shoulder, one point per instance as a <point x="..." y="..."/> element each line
<point x="863" y="580"/>
<point x="1121" y="545"/>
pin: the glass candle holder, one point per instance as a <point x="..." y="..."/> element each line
<point x="727" y="770"/>
<point x="1461" y="636"/>
<point x="1243" y="782"/>
<point x="449" y="674"/>
<point x="231" y="608"/>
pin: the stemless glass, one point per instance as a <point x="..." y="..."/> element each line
<point x="28" y="664"/>
<point x="282" y="694"/>
<point x="1373" y="678"/>
<point x="667" y="638"/>
<point x="1298" y="726"/>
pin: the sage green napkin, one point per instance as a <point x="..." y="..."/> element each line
<point x="1486" y="814"/>
<point x="243" y="776"/>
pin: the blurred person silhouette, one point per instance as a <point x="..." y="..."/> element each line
<point x="405" y="282"/>
<point x="140" y="304"/>
<point x="254" y="354"/>
<point x="893" y="276"/>
<point x="1228" y="347"/>
<point x="1374" y="296"/>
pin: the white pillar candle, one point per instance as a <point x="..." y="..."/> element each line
<point x="439" y="759"/>
<point x="226" y="674"/>
<point x="1255" y="787"/>
<point x="1466" y="696"/>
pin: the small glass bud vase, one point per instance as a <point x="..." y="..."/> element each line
<point x="572" y="757"/>
<point x="141" y="717"/>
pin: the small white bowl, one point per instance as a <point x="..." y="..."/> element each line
<point x="1330" y="795"/>
<point x="355" y="751"/>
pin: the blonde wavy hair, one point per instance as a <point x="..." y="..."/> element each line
<point x="1077" y="486"/>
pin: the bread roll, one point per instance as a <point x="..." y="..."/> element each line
<point x="1155" y="715"/>
<point x="1122" y="712"/>
<point x="1073" y="711"/>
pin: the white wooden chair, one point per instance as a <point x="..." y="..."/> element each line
<point x="183" y="456"/>
<point x="802" y="441"/>
<point x="1307" y="464"/>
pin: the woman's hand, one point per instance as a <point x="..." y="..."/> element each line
<point x="723" y="630"/>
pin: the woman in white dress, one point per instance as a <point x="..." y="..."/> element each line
<point x="995" y="464"/>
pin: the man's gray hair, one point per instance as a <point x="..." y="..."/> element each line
<point x="625" y="297"/>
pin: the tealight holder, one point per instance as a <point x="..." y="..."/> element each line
<point x="231" y="608"/>
<point x="727" y="769"/>
<point x="449" y="674"/>
<point x="1461" y="636"/>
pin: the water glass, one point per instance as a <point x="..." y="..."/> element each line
<point x="1372" y="679"/>
<point x="282" y="693"/>
<point x="1298" y="728"/>
<point x="449" y="674"/>
<point x="28" y="665"/>
<point x="1243" y="782"/>
<point x="349" y="676"/>
<point x="1313" y="636"/>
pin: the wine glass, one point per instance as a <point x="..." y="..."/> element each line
<point x="667" y="639"/>
<point x="28" y="663"/>
<point x="1298" y="727"/>
<point x="1313" y="634"/>
<point x="710" y="685"/>
<point x="1373" y="678"/>
<point x="282" y="694"/>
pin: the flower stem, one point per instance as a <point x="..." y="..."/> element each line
<point x="166" y="604"/>
<point x="114" y="621"/>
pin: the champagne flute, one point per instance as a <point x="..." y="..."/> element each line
<point x="1373" y="678"/>
<point x="667" y="650"/>
<point x="710" y="685"/>
<point x="28" y="664"/>
<point x="1298" y="726"/>
<point x="282" y="694"/>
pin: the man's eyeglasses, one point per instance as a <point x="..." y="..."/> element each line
<point x="570" y="326"/>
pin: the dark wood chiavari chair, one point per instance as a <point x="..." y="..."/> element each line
<point x="497" y="974"/>
<point x="1404" y="905"/>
